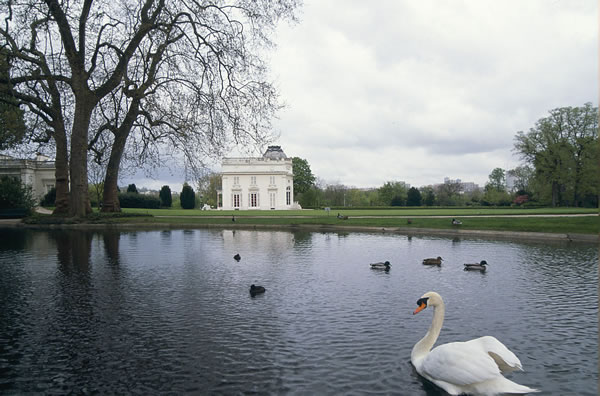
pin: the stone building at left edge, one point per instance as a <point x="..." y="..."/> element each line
<point x="38" y="173"/>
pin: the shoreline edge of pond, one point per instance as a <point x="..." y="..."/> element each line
<point x="487" y="234"/>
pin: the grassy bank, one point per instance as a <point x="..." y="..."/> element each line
<point x="503" y="222"/>
<point x="547" y="220"/>
<point x="455" y="212"/>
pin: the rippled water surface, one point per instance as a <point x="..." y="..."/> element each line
<point x="169" y="312"/>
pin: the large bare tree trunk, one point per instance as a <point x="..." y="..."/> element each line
<point x="62" y="206"/>
<point x="80" y="201"/>
<point x="110" y="199"/>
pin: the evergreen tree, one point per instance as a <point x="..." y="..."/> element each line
<point x="166" y="200"/>
<point x="132" y="189"/>
<point x="187" y="197"/>
<point x="413" y="197"/>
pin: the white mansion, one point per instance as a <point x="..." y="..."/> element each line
<point x="261" y="183"/>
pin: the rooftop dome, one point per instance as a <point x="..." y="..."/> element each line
<point x="274" y="152"/>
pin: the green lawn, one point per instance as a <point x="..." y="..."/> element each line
<point x="508" y="219"/>
<point x="364" y="212"/>
<point x="388" y="218"/>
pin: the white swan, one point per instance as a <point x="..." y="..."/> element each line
<point x="473" y="367"/>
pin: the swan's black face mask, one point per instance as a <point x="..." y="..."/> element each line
<point x="422" y="303"/>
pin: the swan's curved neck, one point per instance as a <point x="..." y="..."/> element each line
<point x="422" y="348"/>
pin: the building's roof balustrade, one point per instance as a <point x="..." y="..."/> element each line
<point x="273" y="153"/>
<point x="243" y="161"/>
<point x="24" y="163"/>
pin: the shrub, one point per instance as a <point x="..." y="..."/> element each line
<point x="132" y="189"/>
<point x="14" y="194"/>
<point x="135" y="200"/>
<point x="187" y="197"/>
<point x="50" y="198"/>
<point x="397" y="201"/>
<point x="166" y="200"/>
<point x="521" y="199"/>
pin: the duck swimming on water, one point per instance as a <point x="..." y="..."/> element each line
<point x="476" y="267"/>
<point x="381" y="266"/>
<point x="433" y="261"/>
<point x="254" y="290"/>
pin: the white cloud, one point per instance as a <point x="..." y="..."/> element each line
<point x="420" y="90"/>
<point x="416" y="91"/>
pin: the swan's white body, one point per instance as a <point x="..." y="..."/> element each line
<point x="472" y="367"/>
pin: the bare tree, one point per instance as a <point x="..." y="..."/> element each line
<point x="180" y="72"/>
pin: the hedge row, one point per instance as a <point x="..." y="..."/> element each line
<point x="527" y="205"/>
<point x="133" y="200"/>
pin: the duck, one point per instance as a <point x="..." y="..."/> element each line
<point x="476" y="267"/>
<point x="237" y="257"/>
<point x="473" y="367"/>
<point x="254" y="290"/>
<point x="433" y="261"/>
<point x="381" y="266"/>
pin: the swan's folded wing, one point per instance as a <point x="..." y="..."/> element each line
<point x="504" y="358"/>
<point x="460" y="363"/>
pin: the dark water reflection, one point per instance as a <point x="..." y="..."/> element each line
<point x="169" y="312"/>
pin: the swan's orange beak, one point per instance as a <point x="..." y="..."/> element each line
<point x="421" y="307"/>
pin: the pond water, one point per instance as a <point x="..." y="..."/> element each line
<point x="169" y="312"/>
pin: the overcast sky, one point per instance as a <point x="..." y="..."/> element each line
<point x="416" y="91"/>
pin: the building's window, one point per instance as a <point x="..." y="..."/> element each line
<point x="237" y="201"/>
<point x="253" y="200"/>
<point x="272" y="200"/>
<point x="49" y="187"/>
<point x="236" y="180"/>
<point x="253" y="180"/>
<point x="288" y="196"/>
<point x="272" y="180"/>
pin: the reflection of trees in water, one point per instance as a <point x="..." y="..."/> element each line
<point x="111" y="246"/>
<point x="73" y="248"/>
<point x="72" y="314"/>
<point x="302" y="238"/>
<point x="165" y="235"/>
<point x="13" y="239"/>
